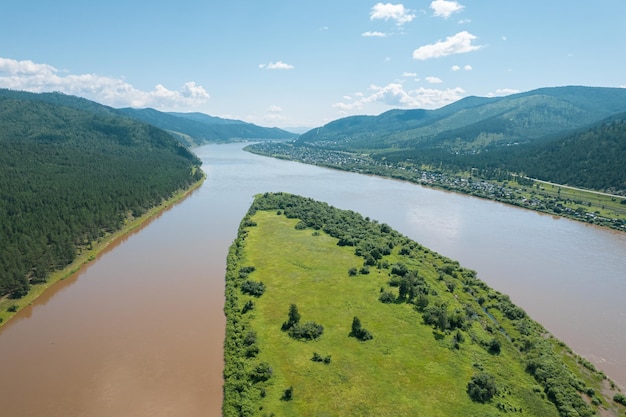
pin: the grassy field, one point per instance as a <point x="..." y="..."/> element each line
<point x="407" y="369"/>
<point x="10" y="307"/>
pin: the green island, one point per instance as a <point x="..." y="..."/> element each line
<point x="332" y="314"/>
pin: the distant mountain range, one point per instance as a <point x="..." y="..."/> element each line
<point x="199" y="128"/>
<point x="475" y="123"/>
<point x="569" y="135"/>
<point x="189" y="128"/>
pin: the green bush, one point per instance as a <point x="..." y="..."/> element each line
<point x="253" y="288"/>
<point x="482" y="387"/>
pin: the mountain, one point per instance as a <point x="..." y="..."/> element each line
<point x="71" y="172"/>
<point x="474" y="123"/>
<point x="197" y="128"/>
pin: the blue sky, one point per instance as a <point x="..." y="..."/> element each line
<point x="295" y="63"/>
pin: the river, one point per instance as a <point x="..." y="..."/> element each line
<point x="139" y="332"/>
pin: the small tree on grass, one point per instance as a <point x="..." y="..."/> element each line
<point x="358" y="331"/>
<point x="287" y="394"/>
<point x="294" y="318"/>
<point x="307" y="331"/>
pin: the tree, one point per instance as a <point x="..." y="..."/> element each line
<point x="294" y="318"/>
<point x="287" y="394"/>
<point x="358" y="331"/>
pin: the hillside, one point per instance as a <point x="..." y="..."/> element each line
<point x="329" y="313"/>
<point x="473" y="124"/>
<point x="70" y="175"/>
<point x="197" y="128"/>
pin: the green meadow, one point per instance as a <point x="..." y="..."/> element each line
<point x="418" y="363"/>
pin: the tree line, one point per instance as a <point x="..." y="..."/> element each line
<point x="68" y="177"/>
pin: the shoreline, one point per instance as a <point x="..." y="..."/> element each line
<point x="88" y="256"/>
<point x="588" y="220"/>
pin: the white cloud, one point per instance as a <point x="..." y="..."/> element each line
<point x="622" y="86"/>
<point x="434" y="80"/>
<point x="33" y="77"/>
<point x="458" y="68"/>
<point x="395" y="12"/>
<point x="444" y="8"/>
<point x="373" y="34"/>
<point x="464" y="21"/>
<point x="409" y="74"/>
<point x="274" y="109"/>
<point x="394" y="95"/>
<point x="279" y="65"/>
<point x="456" y="44"/>
<point x="274" y="114"/>
<point x="503" y="92"/>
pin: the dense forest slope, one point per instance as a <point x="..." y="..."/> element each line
<point x="329" y="313"/>
<point x="198" y="128"/>
<point x="70" y="174"/>
<point x="474" y="123"/>
<point x="573" y="136"/>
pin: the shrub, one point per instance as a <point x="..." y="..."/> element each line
<point x="482" y="387"/>
<point x="308" y="331"/>
<point x="253" y="288"/>
<point x="262" y="372"/>
<point x="318" y="358"/>
<point x="387" y="297"/>
<point x="287" y="394"/>
<point x="12" y="308"/>
<point x="620" y="398"/>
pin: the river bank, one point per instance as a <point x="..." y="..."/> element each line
<point x="10" y="307"/>
<point x="591" y="207"/>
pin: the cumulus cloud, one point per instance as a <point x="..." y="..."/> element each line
<point x="279" y="65"/>
<point x="374" y="34"/>
<point x="274" y="114"/>
<point x="395" y="12"/>
<point x="458" y="68"/>
<point x="622" y="86"/>
<point x="434" y="80"/>
<point x="503" y="92"/>
<point x="394" y="95"/>
<point x="444" y="8"/>
<point x="456" y="44"/>
<point x="38" y="78"/>
<point x="409" y="74"/>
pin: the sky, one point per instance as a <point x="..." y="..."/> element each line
<point x="301" y="64"/>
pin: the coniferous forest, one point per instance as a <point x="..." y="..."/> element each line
<point x="69" y="176"/>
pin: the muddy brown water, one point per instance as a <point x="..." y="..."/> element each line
<point x="139" y="332"/>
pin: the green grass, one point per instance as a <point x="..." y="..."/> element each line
<point x="407" y="369"/>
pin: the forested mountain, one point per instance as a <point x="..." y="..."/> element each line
<point x="567" y="135"/>
<point x="198" y="128"/>
<point x="591" y="157"/>
<point x="474" y="123"/>
<point x="72" y="171"/>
